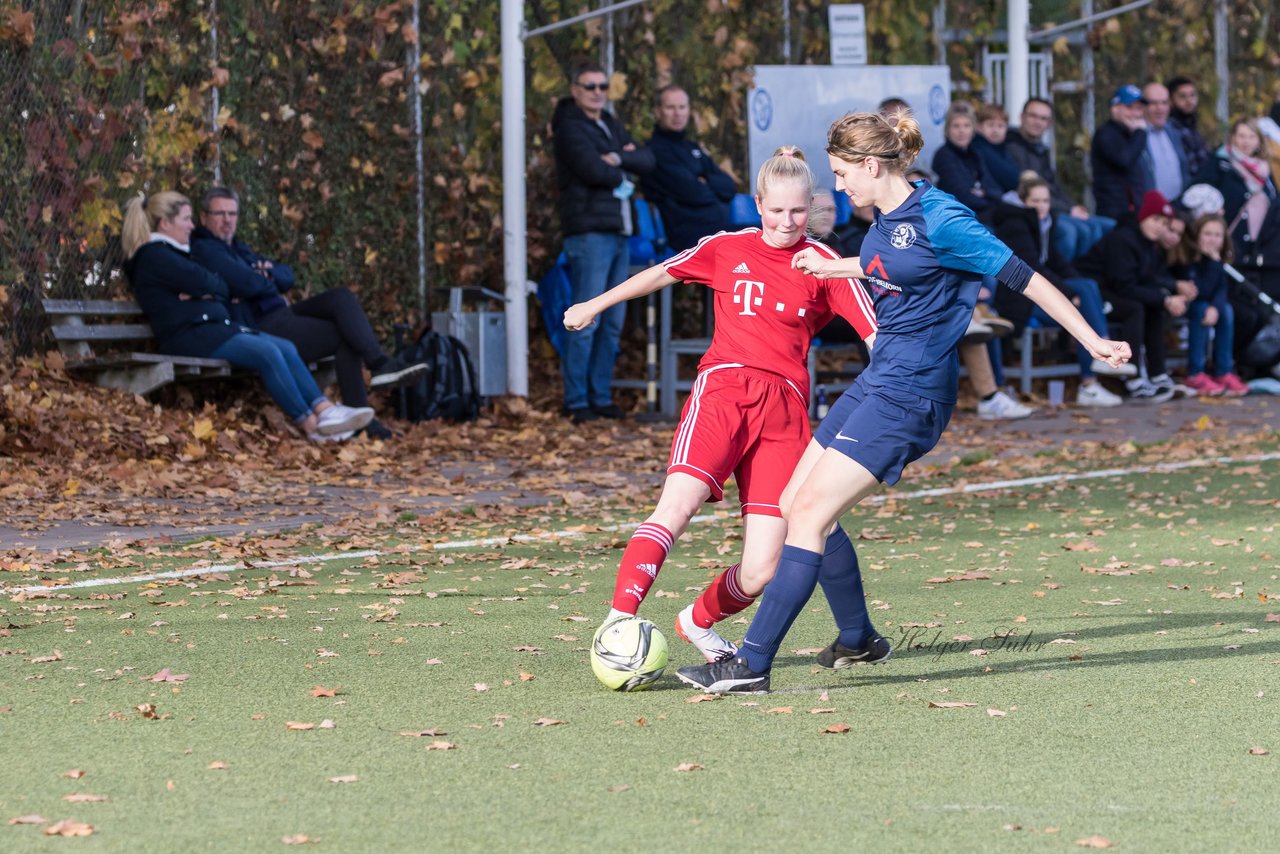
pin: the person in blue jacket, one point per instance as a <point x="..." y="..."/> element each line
<point x="692" y="193"/>
<point x="991" y="144"/>
<point x="923" y="260"/>
<point x="187" y="307"/>
<point x="331" y="323"/>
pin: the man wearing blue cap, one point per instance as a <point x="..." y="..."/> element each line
<point x="1119" y="176"/>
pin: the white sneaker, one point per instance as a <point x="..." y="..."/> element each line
<point x="1094" y="394"/>
<point x="340" y="419"/>
<point x="1102" y="369"/>
<point x="1001" y="407"/>
<point x="977" y="333"/>
<point x="332" y="437"/>
<point x="709" y="643"/>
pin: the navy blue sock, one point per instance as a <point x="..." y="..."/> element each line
<point x="841" y="583"/>
<point x="783" y="600"/>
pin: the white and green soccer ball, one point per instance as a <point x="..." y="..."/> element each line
<point x="628" y="654"/>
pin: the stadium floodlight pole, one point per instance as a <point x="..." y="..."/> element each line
<point x="1017" y="83"/>
<point x="515" y="259"/>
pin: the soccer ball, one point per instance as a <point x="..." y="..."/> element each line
<point x="628" y="654"/>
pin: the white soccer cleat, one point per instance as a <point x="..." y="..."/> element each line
<point x="708" y="641"/>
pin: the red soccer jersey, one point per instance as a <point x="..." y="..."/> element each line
<point x="767" y="313"/>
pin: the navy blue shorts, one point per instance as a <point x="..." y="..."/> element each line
<point x="883" y="429"/>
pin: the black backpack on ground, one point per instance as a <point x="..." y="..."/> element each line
<point x="446" y="391"/>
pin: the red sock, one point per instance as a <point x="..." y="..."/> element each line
<point x="723" y="598"/>
<point x="641" y="561"/>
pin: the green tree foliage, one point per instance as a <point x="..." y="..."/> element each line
<point x="315" y="127"/>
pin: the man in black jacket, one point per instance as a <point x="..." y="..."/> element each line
<point x="692" y="193"/>
<point x="331" y="323"/>
<point x="593" y="154"/>
<point x="1185" y="98"/>
<point x="1119" y="146"/>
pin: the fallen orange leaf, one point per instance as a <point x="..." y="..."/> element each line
<point x="69" y="827"/>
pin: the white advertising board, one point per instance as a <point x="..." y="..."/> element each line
<point x="847" y="23"/>
<point x="795" y="104"/>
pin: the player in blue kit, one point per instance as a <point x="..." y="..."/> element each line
<point x="923" y="260"/>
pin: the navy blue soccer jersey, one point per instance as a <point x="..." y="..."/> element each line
<point x="923" y="264"/>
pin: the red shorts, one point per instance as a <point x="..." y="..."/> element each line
<point x="744" y="422"/>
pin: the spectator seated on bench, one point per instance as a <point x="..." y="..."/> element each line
<point x="331" y="323"/>
<point x="1130" y="266"/>
<point x="1029" y="231"/>
<point x="187" y="308"/>
<point x="1201" y="257"/>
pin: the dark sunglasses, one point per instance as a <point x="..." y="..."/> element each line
<point x="593" y="87"/>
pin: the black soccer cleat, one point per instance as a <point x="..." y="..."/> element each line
<point x="838" y="656"/>
<point x="726" y="676"/>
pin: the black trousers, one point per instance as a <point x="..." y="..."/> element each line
<point x="330" y="324"/>
<point x="1141" y="327"/>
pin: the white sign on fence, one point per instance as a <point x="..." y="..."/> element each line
<point x="848" y="25"/>
<point x="795" y="104"/>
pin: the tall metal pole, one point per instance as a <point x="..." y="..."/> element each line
<point x="1017" y="84"/>
<point x="515" y="262"/>
<point x="415" y="99"/>
<point x="214" y="105"/>
<point x="940" y="30"/>
<point x="1089" y="110"/>
<point x="786" y="32"/>
<point x="1221" y="49"/>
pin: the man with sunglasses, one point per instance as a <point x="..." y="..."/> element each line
<point x="594" y="153"/>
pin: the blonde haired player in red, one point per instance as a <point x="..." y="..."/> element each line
<point x="747" y="414"/>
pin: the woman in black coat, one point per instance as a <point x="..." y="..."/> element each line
<point x="187" y="308"/>
<point x="1241" y="171"/>
<point x="960" y="170"/>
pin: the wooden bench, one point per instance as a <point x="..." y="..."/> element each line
<point x="111" y="340"/>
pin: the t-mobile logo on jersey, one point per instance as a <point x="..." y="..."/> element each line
<point x="749" y="295"/>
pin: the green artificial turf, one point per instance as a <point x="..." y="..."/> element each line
<point x="1129" y="668"/>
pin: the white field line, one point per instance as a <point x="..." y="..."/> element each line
<point x="989" y="486"/>
<point x="180" y="573"/>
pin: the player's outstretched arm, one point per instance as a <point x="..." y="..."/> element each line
<point x="1045" y="295"/>
<point x="581" y="315"/>
<point x="811" y="261"/>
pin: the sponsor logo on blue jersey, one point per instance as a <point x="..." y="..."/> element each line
<point x="904" y="236"/>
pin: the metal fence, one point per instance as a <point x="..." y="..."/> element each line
<point x="307" y="107"/>
<point x="78" y="140"/>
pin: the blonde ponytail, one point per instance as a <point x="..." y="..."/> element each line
<point x="786" y="164"/>
<point x="143" y="214"/>
<point x="136" y="229"/>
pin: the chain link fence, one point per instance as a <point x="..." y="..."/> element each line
<point x="80" y="86"/>
<point x="305" y="108"/>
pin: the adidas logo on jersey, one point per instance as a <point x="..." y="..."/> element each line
<point x="741" y="268"/>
